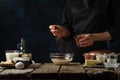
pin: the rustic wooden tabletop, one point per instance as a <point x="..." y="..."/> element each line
<point x="50" y="71"/>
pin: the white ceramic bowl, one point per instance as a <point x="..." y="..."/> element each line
<point x="61" y="58"/>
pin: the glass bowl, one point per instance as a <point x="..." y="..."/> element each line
<point x="110" y="66"/>
<point x="61" y="58"/>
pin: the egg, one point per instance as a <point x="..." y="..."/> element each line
<point x="19" y="65"/>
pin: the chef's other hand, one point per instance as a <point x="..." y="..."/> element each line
<point x="85" y="40"/>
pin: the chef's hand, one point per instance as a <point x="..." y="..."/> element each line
<point x="85" y="40"/>
<point x="58" y="31"/>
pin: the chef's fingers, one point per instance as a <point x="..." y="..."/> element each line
<point x="84" y="37"/>
<point x="52" y="27"/>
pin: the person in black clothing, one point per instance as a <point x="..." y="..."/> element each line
<point x="91" y="21"/>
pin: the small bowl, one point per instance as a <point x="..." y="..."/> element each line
<point x="61" y="58"/>
<point x="111" y="65"/>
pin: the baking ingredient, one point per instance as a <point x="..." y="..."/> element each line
<point x="61" y="61"/>
<point x="91" y="62"/>
<point x="19" y="65"/>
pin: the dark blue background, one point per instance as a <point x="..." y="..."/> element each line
<point x="29" y="19"/>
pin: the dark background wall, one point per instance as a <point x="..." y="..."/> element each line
<point x="29" y="19"/>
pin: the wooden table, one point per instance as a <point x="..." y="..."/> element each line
<point x="63" y="72"/>
<point x="50" y="71"/>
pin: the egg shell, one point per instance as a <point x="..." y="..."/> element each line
<point x="19" y="65"/>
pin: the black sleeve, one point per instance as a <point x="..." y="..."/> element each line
<point x="66" y="18"/>
<point x="114" y="29"/>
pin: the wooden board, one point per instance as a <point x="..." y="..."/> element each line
<point x="18" y="73"/>
<point x="73" y="71"/>
<point x="47" y="70"/>
<point x="117" y="72"/>
<point x="34" y="66"/>
<point x="15" y="74"/>
<point x="1" y="69"/>
<point x="95" y="70"/>
<point x="101" y="74"/>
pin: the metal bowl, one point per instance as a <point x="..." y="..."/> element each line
<point x="61" y="58"/>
